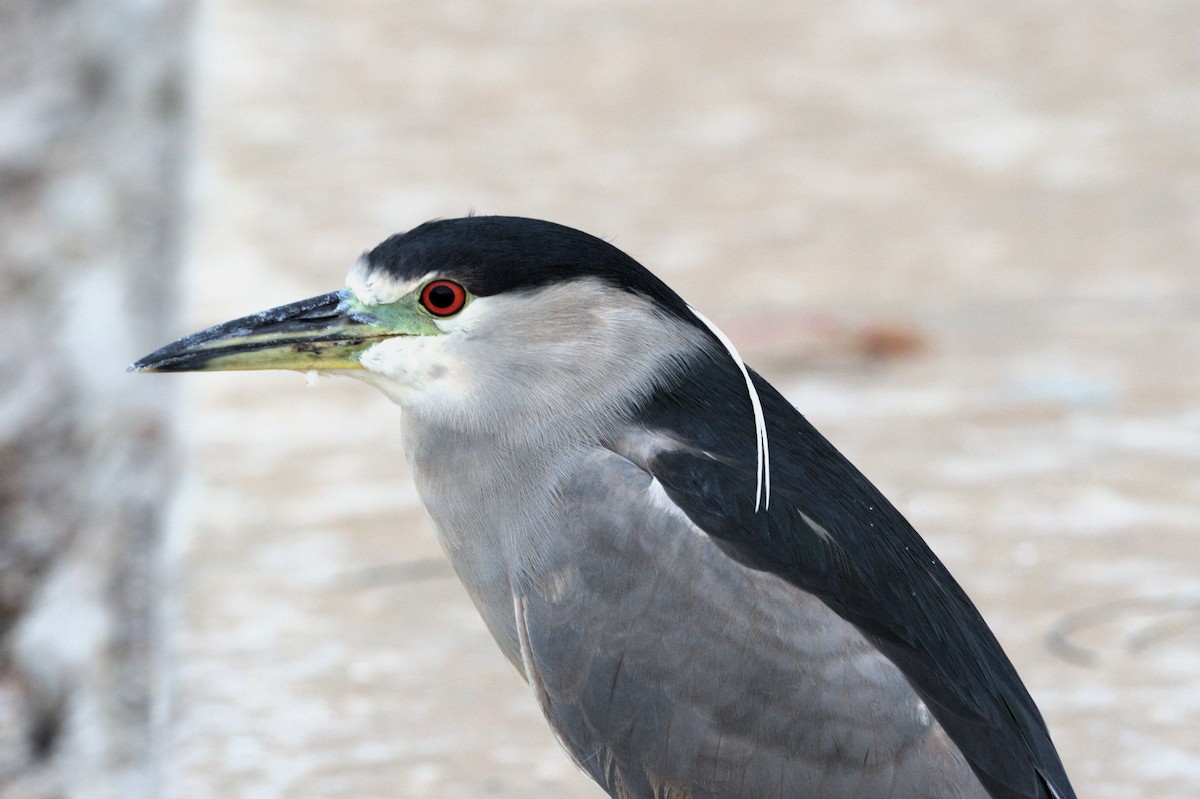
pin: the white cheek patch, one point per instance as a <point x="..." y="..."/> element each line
<point x="416" y="360"/>
<point x="376" y="286"/>
<point x="418" y="370"/>
<point x="430" y="371"/>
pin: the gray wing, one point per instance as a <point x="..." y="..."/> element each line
<point x="669" y="669"/>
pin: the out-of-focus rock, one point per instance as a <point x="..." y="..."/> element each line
<point x="92" y="137"/>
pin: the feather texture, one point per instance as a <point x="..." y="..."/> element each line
<point x="832" y="534"/>
<point x="762" y="490"/>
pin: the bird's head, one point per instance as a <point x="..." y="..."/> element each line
<point x="477" y="321"/>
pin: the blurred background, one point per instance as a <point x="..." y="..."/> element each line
<point x="963" y="238"/>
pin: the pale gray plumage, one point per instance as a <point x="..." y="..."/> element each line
<point x="564" y="544"/>
<point x="705" y="598"/>
<point x="665" y="679"/>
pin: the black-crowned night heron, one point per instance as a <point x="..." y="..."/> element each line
<point x="705" y="597"/>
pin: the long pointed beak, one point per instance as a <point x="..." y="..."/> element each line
<point x="325" y="332"/>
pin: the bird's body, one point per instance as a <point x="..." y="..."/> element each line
<point x="705" y="597"/>
<point x="669" y="680"/>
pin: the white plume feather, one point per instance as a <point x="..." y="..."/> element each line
<point x="762" y="495"/>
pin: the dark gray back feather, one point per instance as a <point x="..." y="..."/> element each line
<point x="830" y="532"/>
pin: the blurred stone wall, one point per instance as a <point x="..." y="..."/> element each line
<point x="92" y="137"/>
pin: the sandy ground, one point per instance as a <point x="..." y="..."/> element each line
<point x="964" y="239"/>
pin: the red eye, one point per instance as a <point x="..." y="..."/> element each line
<point x="443" y="297"/>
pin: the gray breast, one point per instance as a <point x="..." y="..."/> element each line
<point x="669" y="669"/>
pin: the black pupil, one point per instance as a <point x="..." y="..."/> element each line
<point x="441" y="297"/>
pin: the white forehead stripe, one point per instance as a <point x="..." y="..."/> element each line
<point x="376" y="286"/>
<point x="762" y="494"/>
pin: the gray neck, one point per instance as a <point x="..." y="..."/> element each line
<point x="539" y="381"/>
<point x="494" y="503"/>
